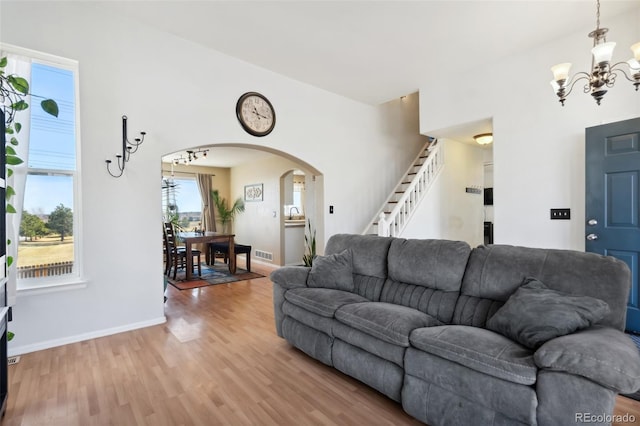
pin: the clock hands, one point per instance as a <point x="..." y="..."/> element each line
<point x="255" y="111"/>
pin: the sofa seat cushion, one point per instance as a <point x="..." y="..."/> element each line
<point x="385" y="321"/>
<point x="478" y="349"/>
<point x="321" y="301"/>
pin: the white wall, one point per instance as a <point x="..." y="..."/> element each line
<point x="539" y="145"/>
<point x="447" y="211"/>
<point x="260" y="224"/>
<point x="182" y="95"/>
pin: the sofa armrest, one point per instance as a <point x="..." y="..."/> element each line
<point x="601" y="354"/>
<point x="291" y="276"/>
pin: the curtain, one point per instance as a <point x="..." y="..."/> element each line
<point x="20" y="66"/>
<point x="208" y="210"/>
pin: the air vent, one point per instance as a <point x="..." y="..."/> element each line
<point x="264" y="255"/>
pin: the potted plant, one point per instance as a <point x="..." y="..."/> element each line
<point x="309" y="245"/>
<point x="226" y="214"/>
<point x="13" y="92"/>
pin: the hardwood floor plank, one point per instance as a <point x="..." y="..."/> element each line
<point x="216" y="361"/>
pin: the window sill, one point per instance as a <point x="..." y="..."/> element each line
<point x="37" y="286"/>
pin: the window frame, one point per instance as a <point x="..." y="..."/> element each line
<point x="76" y="278"/>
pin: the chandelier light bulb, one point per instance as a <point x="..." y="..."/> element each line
<point x="636" y="51"/>
<point x="603" y="52"/>
<point x="561" y="71"/>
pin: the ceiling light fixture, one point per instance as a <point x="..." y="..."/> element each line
<point x="193" y="155"/>
<point x="484" y="138"/>
<point x="603" y="74"/>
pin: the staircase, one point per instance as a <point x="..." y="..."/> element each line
<point x="396" y="212"/>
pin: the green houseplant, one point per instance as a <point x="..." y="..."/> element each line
<point x="226" y="214"/>
<point x="13" y="92"/>
<point x="309" y="244"/>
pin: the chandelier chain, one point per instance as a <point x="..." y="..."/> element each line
<point x="597" y="14"/>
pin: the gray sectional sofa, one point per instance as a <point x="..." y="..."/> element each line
<point x="497" y="335"/>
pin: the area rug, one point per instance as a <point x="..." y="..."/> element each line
<point x="211" y="275"/>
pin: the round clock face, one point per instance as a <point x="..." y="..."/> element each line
<point x="256" y="114"/>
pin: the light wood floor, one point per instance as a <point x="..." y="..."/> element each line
<point x="217" y="361"/>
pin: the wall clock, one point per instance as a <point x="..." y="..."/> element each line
<point x="255" y="113"/>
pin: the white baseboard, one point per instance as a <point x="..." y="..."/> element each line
<point x="21" y="350"/>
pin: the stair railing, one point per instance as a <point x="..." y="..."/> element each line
<point x="393" y="224"/>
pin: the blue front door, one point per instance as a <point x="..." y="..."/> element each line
<point x="613" y="200"/>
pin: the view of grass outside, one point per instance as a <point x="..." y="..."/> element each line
<point x="45" y="250"/>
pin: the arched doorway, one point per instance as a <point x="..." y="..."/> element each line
<point x="236" y="167"/>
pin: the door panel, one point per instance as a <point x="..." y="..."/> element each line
<point x="613" y="200"/>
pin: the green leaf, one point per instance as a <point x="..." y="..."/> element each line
<point x="50" y="107"/>
<point x="10" y="336"/>
<point x="3" y="62"/>
<point x="9" y="260"/>
<point x="13" y="141"/>
<point x="21" y="105"/>
<point x="10" y="192"/>
<point x="8" y="242"/>
<point x="11" y="209"/>
<point x="8" y="131"/>
<point x="19" y="83"/>
<point x="13" y="160"/>
<point x="9" y="172"/>
<point x="18" y="127"/>
<point x="10" y="150"/>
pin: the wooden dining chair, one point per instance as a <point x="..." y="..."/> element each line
<point x="176" y="256"/>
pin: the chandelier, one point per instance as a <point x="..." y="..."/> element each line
<point x="603" y="74"/>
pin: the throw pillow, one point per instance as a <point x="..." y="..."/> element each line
<point x="334" y="271"/>
<point x="535" y="314"/>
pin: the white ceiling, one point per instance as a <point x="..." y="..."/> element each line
<point x="370" y="51"/>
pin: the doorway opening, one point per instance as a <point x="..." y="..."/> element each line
<point x="254" y="175"/>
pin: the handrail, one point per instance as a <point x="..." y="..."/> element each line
<point x="393" y="223"/>
<point x="427" y="146"/>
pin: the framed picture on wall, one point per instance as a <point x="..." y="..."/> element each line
<point x="253" y="192"/>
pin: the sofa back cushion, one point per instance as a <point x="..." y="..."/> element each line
<point x="369" y="261"/>
<point x="495" y="272"/>
<point x="426" y="275"/>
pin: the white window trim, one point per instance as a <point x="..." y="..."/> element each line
<point x="76" y="279"/>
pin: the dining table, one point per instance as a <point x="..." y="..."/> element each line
<point x="191" y="238"/>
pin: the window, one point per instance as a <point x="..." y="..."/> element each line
<point x="181" y="202"/>
<point x="49" y="232"/>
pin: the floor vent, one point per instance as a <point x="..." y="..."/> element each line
<point x="13" y="360"/>
<point x="264" y="255"/>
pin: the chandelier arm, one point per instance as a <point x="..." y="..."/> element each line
<point x="614" y="70"/>
<point x="575" y="79"/>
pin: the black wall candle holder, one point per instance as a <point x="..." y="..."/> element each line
<point x="128" y="148"/>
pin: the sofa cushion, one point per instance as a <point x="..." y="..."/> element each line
<point x="495" y="272"/>
<point x="436" y="264"/>
<point x="479" y="349"/>
<point x="332" y="271"/>
<point x="601" y="354"/>
<point x="308" y="318"/>
<point x="322" y="301"/>
<point x="369" y="252"/>
<point x="535" y="314"/>
<point x="388" y="322"/>
<point x="367" y="342"/>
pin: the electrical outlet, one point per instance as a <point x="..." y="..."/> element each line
<point x="330" y="209"/>
<point x="560" y="213"/>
